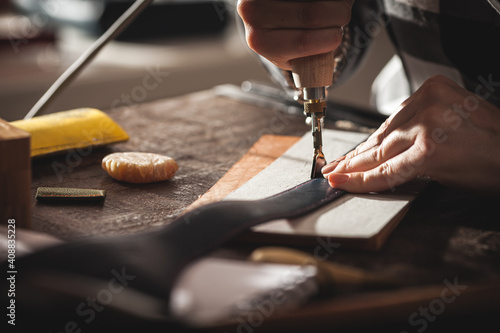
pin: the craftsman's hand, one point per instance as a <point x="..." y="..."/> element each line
<point x="442" y="131"/>
<point x="282" y="30"/>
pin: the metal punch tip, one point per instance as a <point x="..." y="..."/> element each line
<point x="318" y="163"/>
<point x="318" y="158"/>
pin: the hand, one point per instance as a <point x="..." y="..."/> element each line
<point x="282" y="30"/>
<point x="442" y="131"/>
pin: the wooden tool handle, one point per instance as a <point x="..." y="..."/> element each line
<point x="329" y="274"/>
<point x="313" y="71"/>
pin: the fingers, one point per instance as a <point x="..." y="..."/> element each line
<point x="281" y="46"/>
<point x="383" y="143"/>
<point x="332" y="165"/>
<point x="367" y="159"/>
<point x="405" y="112"/>
<point x="285" y="30"/>
<point x="431" y="135"/>
<point x="380" y="146"/>
<point x="395" y="171"/>
<point x="269" y="14"/>
<point x="376" y="164"/>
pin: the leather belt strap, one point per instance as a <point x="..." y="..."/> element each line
<point x="150" y="262"/>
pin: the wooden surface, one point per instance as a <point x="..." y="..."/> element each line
<point x="267" y="149"/>
<point x="447" y="234"/>
<point x="205" y="135"/>
<point x="356" y="221"/>
<point x="15" y="175"/>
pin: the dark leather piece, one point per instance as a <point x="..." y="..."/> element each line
<point x="62" y="278"/>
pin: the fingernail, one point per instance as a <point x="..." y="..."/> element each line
<point x="328" y="168"/>
<point x="338" y="178"/>
<point x="331" y="166"/>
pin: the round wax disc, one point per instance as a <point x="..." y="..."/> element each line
<point x="135" y="167"/>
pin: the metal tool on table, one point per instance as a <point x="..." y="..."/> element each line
<point x="72" y="72"/>
<point x="269" y="96"/>
<point x="313" y="74"/>
<point x="332" y="277"/>
<point x="82" y="127"/>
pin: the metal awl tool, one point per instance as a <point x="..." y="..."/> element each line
<point x="315" y="108"/>
<point x="313" y="74"/>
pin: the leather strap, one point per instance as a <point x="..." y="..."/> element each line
<point x="149" y="263"/>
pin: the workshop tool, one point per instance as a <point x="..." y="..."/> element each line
<point x="79" y="130"/>
<point x="215" y="291"/>
<point x="332" y="277"/>
<point x="65" y="194"/>
<point x="313" y="74"/>
<point x="63" y="275"/>
<point x="270" y="97"/>
<point x="116" y="28"/>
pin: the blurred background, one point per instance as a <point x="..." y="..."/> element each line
<point x="173" y="48"/>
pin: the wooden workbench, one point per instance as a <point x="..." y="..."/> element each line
<point x="447" y="234"/>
